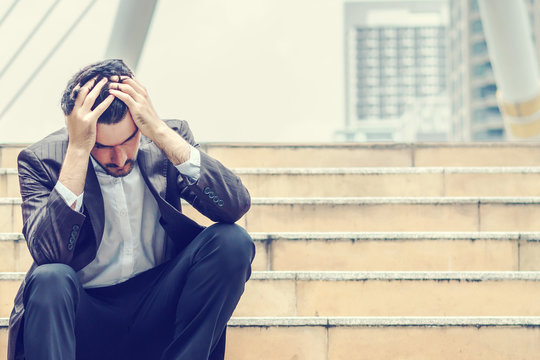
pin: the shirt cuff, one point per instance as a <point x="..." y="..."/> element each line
<point x="191" y="168"/>
<point x="72" y="200"/>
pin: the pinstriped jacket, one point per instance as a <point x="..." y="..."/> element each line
<point x="55" y="233"/>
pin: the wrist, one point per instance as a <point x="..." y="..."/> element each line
<point x="73" y="172"/>
<point x="172" y="144"/>
<point x="157" y="131"/>
<point x="78" y="151"/>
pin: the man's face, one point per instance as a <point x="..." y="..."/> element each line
<point x="116" y="146"/>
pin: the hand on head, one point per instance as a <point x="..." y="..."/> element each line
<point x="82" y="120"/>
<point x="135" y="96"/>
<point x="106" y="98"/>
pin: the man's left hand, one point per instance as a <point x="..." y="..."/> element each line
<point x="135" y="96"/>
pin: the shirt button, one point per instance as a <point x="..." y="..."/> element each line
<point x="123" y="212"/>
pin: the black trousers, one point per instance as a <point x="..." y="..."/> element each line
<point x="178" y="310"/>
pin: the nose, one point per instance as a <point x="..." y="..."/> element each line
<point x="119" y="157"/>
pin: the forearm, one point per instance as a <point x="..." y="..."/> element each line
<point x="73" y="173"/>
<point x="172" y="144"/>
<point x="48" y="222"/>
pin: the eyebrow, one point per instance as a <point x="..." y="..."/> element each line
<point x="125" y="141"/>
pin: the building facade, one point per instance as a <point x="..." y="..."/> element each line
<point x="396" y="68"/>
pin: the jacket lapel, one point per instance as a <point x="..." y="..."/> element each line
<point x="153" y="164"/>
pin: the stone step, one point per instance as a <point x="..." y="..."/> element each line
<point x="9" y="153"/>
<point x="374" y="154"/>
<point x="363" y="214"/>
<point x="357" y="182"/>
<point x="393" y="182"/>
<point x="9" y="183"/>
<point x="316" y="293"/>
<point x="10" y="215"/>
<point x="362" y="252"/>
<point x="389" y="214"/>
<point x="377" y="338"/>
<point x="14" y="254"/>
<point x="354" y="154"/>
<point x="413" y="251"/>
<point x="319" y="293"/>
<point x="384" y="338"/>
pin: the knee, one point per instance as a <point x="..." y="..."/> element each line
<point x="52" y="274"/>
<point x="234" y="246"/>
<point x="51" y="282"/>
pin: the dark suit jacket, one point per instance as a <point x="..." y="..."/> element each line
<point x="57" y="234"/>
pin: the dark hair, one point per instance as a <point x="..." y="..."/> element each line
<point x="106" y="68"/>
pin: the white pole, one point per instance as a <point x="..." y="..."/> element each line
<point x="515" y="65"/>
<point x="133" y="19"/>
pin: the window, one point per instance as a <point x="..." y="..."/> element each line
<point x="480" y="48"/>
<point x="487" y="114"/>
<point x="407" y="61"/>
<point x="489" y="135"/>
<point x="476" y="27"/>
<point x="482" y="69"/>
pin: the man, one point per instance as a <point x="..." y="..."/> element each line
<point x="119" y="272"/>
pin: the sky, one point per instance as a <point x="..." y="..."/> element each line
<point x="238" y="71"/>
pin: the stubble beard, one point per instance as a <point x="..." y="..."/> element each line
<point x="127" y="168"/>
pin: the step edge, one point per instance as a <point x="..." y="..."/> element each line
<point x="398" y="200"/>
<point x="11" y="237"/>
<point x="501" y="321"/>
<point x="367" y="145"/>
<point x="367" y="236"/>
<point x="266" y="201"/>
<point x="391" y="236"/>
<point x="473" y="170"/>
<point x="438" y="276"/>
<point x="370" y="170"/>
<point x="497" y="321"/>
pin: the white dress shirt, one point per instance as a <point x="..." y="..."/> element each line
<point x="133" y="240"/>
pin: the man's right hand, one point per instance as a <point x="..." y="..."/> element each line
<point x="82" y="125"/>
<point x="82" y="121"/>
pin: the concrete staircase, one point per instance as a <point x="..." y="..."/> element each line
<point x="386" y="251"/>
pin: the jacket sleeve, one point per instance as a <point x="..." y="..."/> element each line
<point x="51" y="228"/>
<point x="218" y="193"/>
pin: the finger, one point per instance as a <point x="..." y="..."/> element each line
<point x="119" y="79"/>
<point x="84" y="90"/>
<point x="75" y="91"/>
<point x="75" y="95"/>
<point x="131" y="81"/>
<point x="125" y="88"/>
<point x="136" y="85"/>
<point x="100" y="109"/>
<point x="92" y="96"/>
<point x="126" y="98"/>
